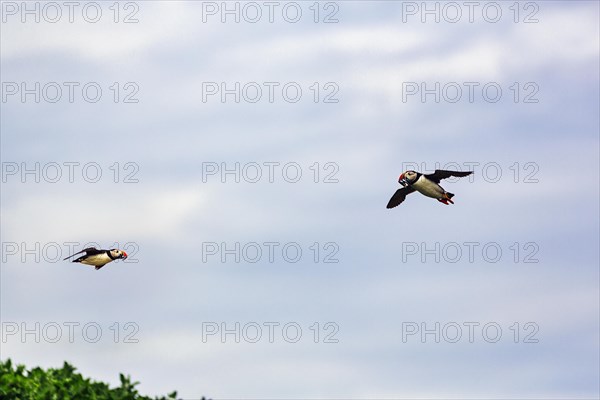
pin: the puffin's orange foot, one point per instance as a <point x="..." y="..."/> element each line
<point x="445" y="201"/>
<point x="448" y="197"/>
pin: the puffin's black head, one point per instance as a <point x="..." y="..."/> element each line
<point x="118" y="254"/>
<point x="407" y="178"/>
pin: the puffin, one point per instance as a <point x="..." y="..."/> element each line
<point x="426" y="184"/>
<point x="98" y="258"/>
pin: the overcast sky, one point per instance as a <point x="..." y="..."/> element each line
<point x="188" y="139"/>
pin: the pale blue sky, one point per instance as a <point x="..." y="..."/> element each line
<point x="370" y="134"/>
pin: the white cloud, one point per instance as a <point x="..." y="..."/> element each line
<point x="141" y="212"/>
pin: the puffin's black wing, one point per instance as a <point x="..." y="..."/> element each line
<point x="90" y="251"/>
<point x="399" y="196"/>
<point x="440" y="174"/>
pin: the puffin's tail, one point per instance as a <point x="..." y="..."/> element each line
<point x="448" y="197"/>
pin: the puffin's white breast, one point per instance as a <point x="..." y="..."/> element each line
<point x="428" y="188"/>
<point x="97" y="259"/>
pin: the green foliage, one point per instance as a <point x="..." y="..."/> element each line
<point x="64" y="383"/>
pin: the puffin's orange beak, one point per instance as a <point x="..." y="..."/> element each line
<point x="402" y="180"/>
<point x="124" y="255"/>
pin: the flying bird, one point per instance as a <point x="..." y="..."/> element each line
<point x="427" y="185"/>
<point x="98" y="258"/>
